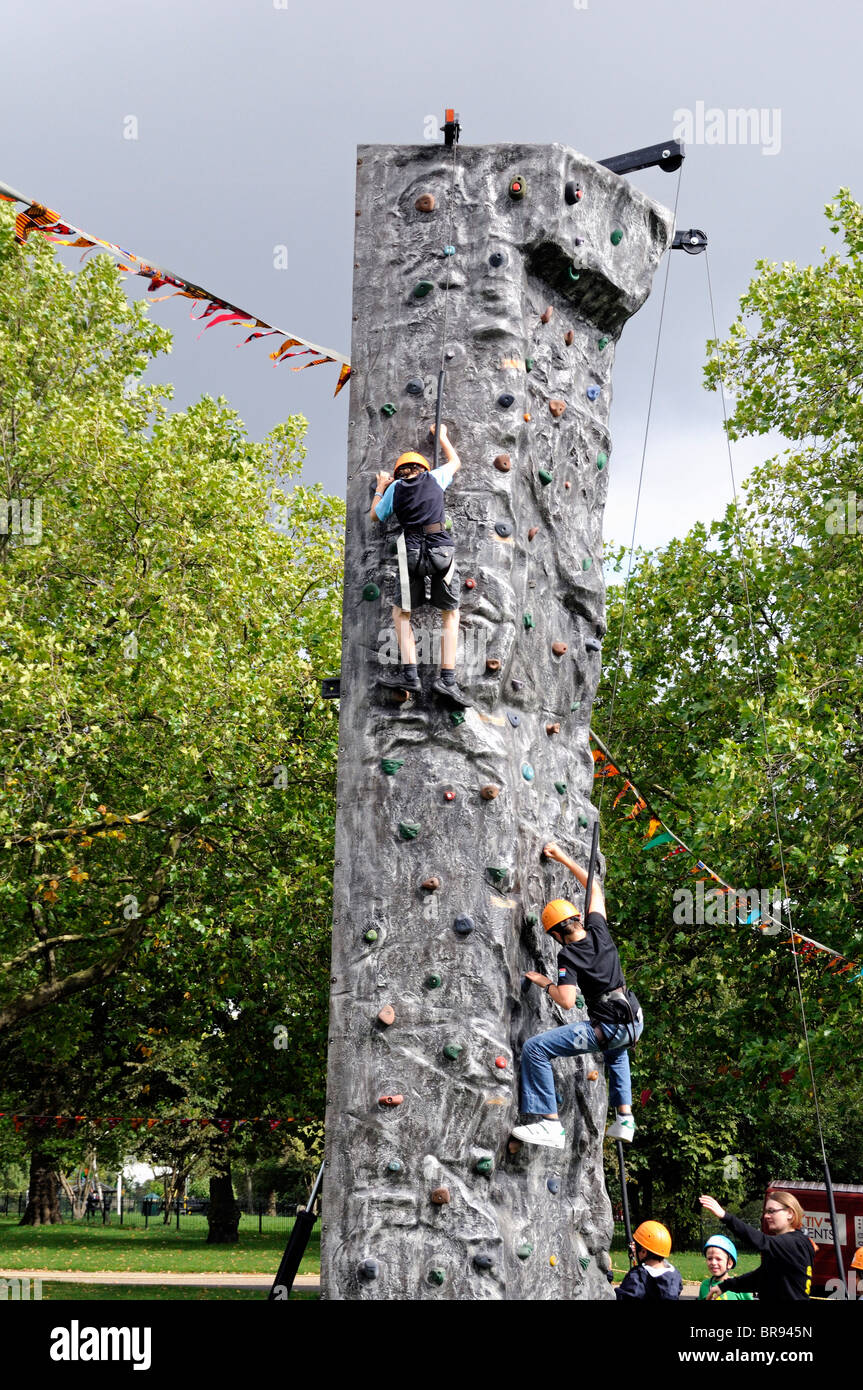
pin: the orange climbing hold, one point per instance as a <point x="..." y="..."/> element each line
<point x="546" y="315"/>
<point x="558" y="648"/>
<point x="387" y="1015"/>
<point x="552" y="729"/>
<point x="391" y="1100"/>
<point x="593" y="1076"/>
<point x="557" y="407"/>
<point x="440" y="1196"/>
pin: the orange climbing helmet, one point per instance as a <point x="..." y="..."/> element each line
<point x="557" y="911"/>
<point x="653" y="1236"/>
<point x="416" y="459"/>
<point x="857" y="1262"/>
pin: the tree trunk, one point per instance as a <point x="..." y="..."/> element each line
<point x="223" y="1216"/>
<point x="43" y="1206"/>
<point x="551" y="255"/>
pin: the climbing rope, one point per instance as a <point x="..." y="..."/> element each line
<point x="449" y="258"/>
<point x="770" y="781"/>
<point x="638" y="492"/>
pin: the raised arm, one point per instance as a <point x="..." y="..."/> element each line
<point x="449" y="452"/>
<point x="382" y="483"/>
<point x="597" y="897"/>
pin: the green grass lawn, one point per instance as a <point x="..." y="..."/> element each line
<point x="161" y="1249"/>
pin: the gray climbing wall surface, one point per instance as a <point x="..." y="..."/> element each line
<point x="519" y="264"/>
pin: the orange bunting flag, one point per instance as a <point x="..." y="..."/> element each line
<point x="653" y="826"/>
<point x="620" y="794"/>
<point x="637" y="809"/>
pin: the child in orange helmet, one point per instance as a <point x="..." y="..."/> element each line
<point x="653" y="1276"/>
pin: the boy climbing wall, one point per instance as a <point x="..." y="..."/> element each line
<point x="415" y="496"/>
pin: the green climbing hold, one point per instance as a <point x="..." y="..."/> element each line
<point x="485" y="1165"/>
<point x="371" y="591"/>
<point x="447" y="526"/>
<point x="422" y="289"/>
<point x="529" y="364"/>
<point x="524" y="1252"/>
<point x="453" y="1051"/>
<point x="437" y="1276"/>
<point x="528" y="621"/>
<point x="582" y="820"/>
<point x="371" y="935"/>
<point x="573" y="273"/>
<point x="584" y="1261"/>
<point x="616" y="237"/>
<point x="586" y="563"/>
<point x="391" y="765"/>
<point x="409" y="829"/>
<point x="560" y="787"/>
<point x="394" y="1166"/>
<point x="579" y="1001"/>
<point x="545" y="477"/>
<point x="457" y="716"/>
<point x="601" y="459"/>
<point x="433" y="981"/>
<point x="531" y="918"/>
<point x="603" y="344"/>
<point x="388" y="408"/>
<point x="576" y="704"/>
<point x="498" y="875"/>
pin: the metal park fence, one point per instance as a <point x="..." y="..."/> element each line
<point x="182" y="1214"/>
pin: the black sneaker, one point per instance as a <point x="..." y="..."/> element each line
<point x="397" y="680"/>
<point x="452" y="693"/>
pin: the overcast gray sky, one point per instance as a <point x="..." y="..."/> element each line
<point x="249" y="112"/>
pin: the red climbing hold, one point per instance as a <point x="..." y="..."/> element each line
<point x="387" y="1015"/>
<point x="492" y="663"/>
<point x="569" y="337"/>
<point x="558" y="648"/>
<point x="470" y="583"/>
<point x="503" y="463"/>
<point x="440" y="1196"/>
<point x="431" y="885"/>
<point x="501" y="1063"/>
<point x="489" y="791"/>
<point x="532" y="532"/>
<point x="545" y="316"/>
<point x="391" y="1100"/>
<point x="552" y="729"/>
<point x="449" y="796"/>
<point x="567" y="485"/>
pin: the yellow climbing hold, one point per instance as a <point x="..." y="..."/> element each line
<point x="552" y="1260"/>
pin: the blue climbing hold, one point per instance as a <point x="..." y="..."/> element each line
<point x="527" y="772"/>
<point x="369" y="1269"/>
<point x="449" y="250"/>
<point x="553" y="1185"/>
<point x="503" y="528"/>
<point x="394" y="1166"/>
<point x="591" y="644"/>
<point x="483" y="1261"/>
<point x="497" y="258"/>
<point x="463" y="926"/>
<point x="514" y="719"/>
<point x="506" y="399"/>
<point x="593" y="392"/>
<point x="415" y="387"/>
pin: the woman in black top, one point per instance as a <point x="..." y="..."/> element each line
<point x="785" y="1272"/>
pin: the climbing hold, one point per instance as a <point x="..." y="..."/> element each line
<point x="409" y="829"/>
<point x="579" y="1001"/>
<point x="573" y="273"/>
<point x="529" y="364"/>
<point x="437" y="1276"/>
<point x="552" y="729"/>
<point x="558" y="648"/>
<point x="387" y="1015"/>
<point x="579" y="240"/>
<point x="524" y="1252"/>
<point x="593" y="392"/>
<point x="483" y="1261"/>
<point x="447" y="526"/>
<point x="394" y="1166"/>
<point x="503" y="528"/>
<point x="582" y="820"/>
<point x="370" y="935"/>
<point x="453" y="1051"/>
<point x="516" y="685"/>
<point x="567" y="485"/>
<point x="514" y="719"/>
<point x="415" y="387"/>
<point x="433" y="982"/>
<point x="601" y="459"/>
<point x="593" y="1076"/>
<point x="440" y="1196"/>
<point x="369" y="1269"/>
<point x="449" y="250"/>
<point x="528" y="621"/>
<point x="532" y="532"/>
<point x="500" y="1063"/>
<point x="546" y="315"/>
<point x="506" y="399"/>
<point x="388" y="408"/>
<point x="584" y="1261"/>
<point x="586" y="563"/>
<point x="526" y="416"/>
<point x="484" y="1165"/>
<point x="503" y="463"/>
<point x="497" y="875"/>
<point x="545" y="477"/>
<point x="492" y="663"/>
<point x="391" y="1100"/>
<point x="517" y="187"/>
<point x="616" y="237"/>
<point x="463" y="926"/>
<point x="557" y="408"/>
<point x="552" y="1260"/>
<point x="497" y="258"/>
<point x="531" y="918"/>
<point x="553" y="1185"/>
<point x="513" y="1146"/>
<point x="602" y="344"/>
<point x="457" y="716"/>
<point x="449" y="796"/>
<point x="425" y="202"/>
<point x="569" y="338"/>
<point x="572" y="192"/>
<point x="431" y="885"/>
<point x="391" y="765"/>
<point x="592" y="645"/>
<point x="560" y="788"/>
<point x="527" y="772"/>
<point x="489" y="791"/>
<point x="422" y="288"/>
<point x="371" y="591"/>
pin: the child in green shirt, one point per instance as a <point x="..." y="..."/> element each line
<point x="721" y="1255"/>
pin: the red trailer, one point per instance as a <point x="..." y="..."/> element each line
<point x="812" y="1197"/>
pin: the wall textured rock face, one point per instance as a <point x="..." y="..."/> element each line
<point x="523" y="298"/>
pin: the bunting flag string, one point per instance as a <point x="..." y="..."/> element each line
<point x="765" y="923"/>
<point x="137" y="1122"/>
<point x="36" y="217"/>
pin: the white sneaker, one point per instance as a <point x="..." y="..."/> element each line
<point x="551" y="1133"/>
<point x="623" y="1128"/>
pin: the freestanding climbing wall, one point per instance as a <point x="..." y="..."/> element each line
<point x="517" y="267"/>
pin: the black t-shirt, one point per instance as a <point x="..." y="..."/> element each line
<point x="593" y="965"/>
<point x="418" y="502"/>
<point x="785" y="1272"/>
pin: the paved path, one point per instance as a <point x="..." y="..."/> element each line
<point x="211" y="1281"/>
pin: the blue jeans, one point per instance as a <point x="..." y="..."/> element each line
<point x="538" y="1095"/>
